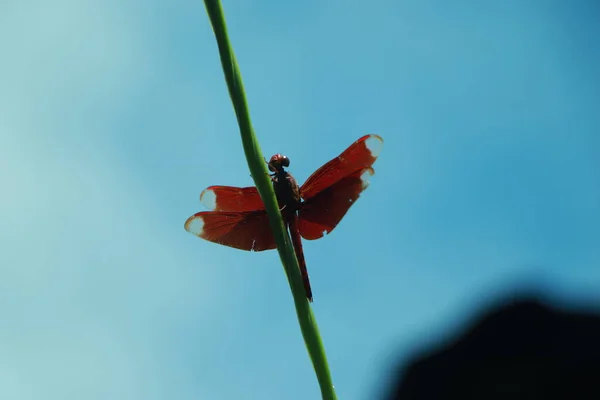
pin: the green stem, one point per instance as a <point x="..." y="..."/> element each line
<point x="260" y="174"/>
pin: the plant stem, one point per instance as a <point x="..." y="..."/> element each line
<point x="260" y="174"/>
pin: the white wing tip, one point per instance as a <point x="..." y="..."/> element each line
<point x="209" y="199"/>
<point x="195" y="225"/>
<point x="365" y="176"/>
<point x="374" y="143"/>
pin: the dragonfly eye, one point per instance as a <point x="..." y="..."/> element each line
<point x="285" y="161"/>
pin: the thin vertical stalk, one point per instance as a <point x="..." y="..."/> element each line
<point x="260" y="174"/>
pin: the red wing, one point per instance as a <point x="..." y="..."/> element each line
<point x="360" y="155"/>
<point x="228" y="198"/>
<point x="249" y="230"/>
<point x="322" y="212"/>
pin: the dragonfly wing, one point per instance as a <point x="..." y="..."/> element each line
<point x="320" y="214"/>
<point x="360" y="155"/>
<point x="246" y="230"/>
<point x="229" y="198"/>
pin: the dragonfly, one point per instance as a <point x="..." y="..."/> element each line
<point x="238" y="217"/>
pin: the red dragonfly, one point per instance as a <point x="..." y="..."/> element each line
<point x="238" y="218"/>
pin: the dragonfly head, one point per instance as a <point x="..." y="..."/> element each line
<point x="278" y="162"/>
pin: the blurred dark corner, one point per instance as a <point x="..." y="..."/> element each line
<point x="522" y="348"/>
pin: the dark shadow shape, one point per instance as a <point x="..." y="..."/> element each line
<point x="522" y="349"/>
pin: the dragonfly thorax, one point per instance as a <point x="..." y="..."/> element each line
<point x="286" y="189"/>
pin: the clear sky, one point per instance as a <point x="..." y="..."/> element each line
<point x="114" y="116"/>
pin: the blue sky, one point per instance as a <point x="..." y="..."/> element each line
<point x="114" y="116"/>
